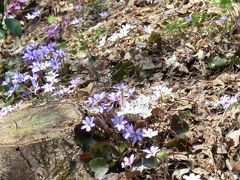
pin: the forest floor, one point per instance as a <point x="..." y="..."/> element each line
<point x="186" y="46"/>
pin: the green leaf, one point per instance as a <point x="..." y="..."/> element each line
<point x="14" y="26"/>
<point x="2" y="33"/>
<point x="9" y="101"/>
<point x="222" y="2"/>
<point x="145" y="164"/>
<point x="52" y="20"/>
<point x="122" y="146"/>
<point x="161" y="154"/>
<point x="99" y="166"/>
<point x="218" y="62"/>
<point x="102" y="149"/>
<point x="1" y="6"/>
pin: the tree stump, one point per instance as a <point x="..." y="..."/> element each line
<point x="38" y="143"/>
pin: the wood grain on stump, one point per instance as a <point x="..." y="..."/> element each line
<point x="38" y="143"/>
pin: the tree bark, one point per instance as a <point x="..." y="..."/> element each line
<point x="38" y="143"/>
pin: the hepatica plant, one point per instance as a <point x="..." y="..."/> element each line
<point x="115" y="132"/>
<point x="40" y="75"/>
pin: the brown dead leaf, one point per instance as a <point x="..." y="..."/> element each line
<point x="234" y="136"/>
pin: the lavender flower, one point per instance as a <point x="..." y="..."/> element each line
<point x="74" y="22"/>
<point x="103" y="14"/>
<point x="88" y="123"/>
<point x="226" y="101"/>
<point x="6" y="81"/>
<point x="128" y="161"/>
<point x="77" y="6"/>
<point x="114" y="97"/>
<point x="59" y="53"/>
<point x="128" y="131"/>
<point x="17" y="78"/>
<point x="119" y="122"/>
<point x="189" y="18"/>
<point x="137" y="136"/>
<point x="152" y="152"/>
<point x="238" y="22"/>
<point x="222" y="19"/>
<point x="54" y="63"/>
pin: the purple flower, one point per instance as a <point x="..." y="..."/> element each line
<point x="137" y="136"/>
<point x="127" y="161"/>
<point x="121" y="86"/>
<point x="129" y="93"/>
<point x="152" y="152"/>
<point x="128" y="131"/>
<point x="103" y="14"/>
<point x="222" y="19"/>
<point x="38" y="66"/>
<point x="114" y="97"/>
<point x="98" y="109"/>
<point x="88" y="123"/>
<point x="226" y="101"/>
<point x="99" y="97"/>
<point x="119" y="122"/>
<point x="6" y="81"/>
<point x="44" y="50"/>
<point x="77" y="6"/>
<point x="189" y="18"/>
<point x="17" y="78"/>
<point x="54" y="63"/>
<point x="25" y="93"/>
<point x="238" y="21"/>
<point x="74" y="82"/>
<point x="74" y="22"/>
<point x="59" y="53"/>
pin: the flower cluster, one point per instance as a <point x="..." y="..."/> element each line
<point x="54" y="29"/>
<point x="67" y="89"/>
<point x="44" y="63"/>
<point x="116" y="108"/>
<point x="227" y="101"/>
<point x="104" y="102"/>
<point x="14" y="5"/>
<point x="123" y="32"/>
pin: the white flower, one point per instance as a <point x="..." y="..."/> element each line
<point x="152" y="152"/>
<point x="149" y="133"/>
<point x="88" y="123"/>
<point x="161" y="90"/>
<point x="74" y="22"/>
<point x="145" y="112"/>
<point x="192" y="176"/>
<point x="48" y="87"/>
<point x="114" y="37"/>
<point x="35" y="14"/>
<point x="127" y="27"/>
<point x="148" y="29"/>
<point x="102" y="41"/>
<point x="127" y="161"/>
<point x="51" y="77"/>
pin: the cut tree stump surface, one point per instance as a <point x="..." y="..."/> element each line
<point x="38" y="143"/>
